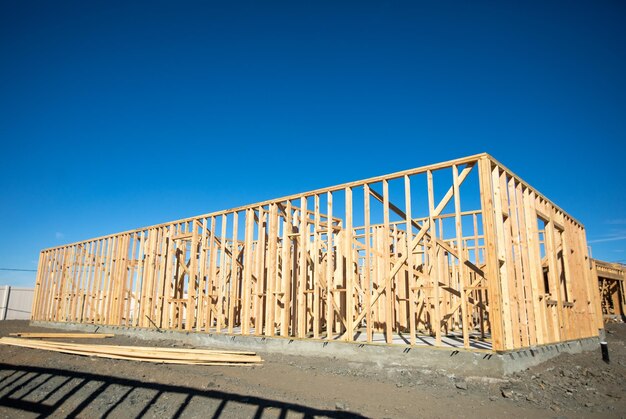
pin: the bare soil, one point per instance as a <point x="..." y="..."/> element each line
<point x="39" y="383"/>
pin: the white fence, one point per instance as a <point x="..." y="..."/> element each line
<point x="15" y="303"/>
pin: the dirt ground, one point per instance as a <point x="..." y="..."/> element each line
<point x="39" y="383"/>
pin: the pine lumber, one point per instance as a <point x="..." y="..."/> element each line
<point x="157" y="352"/>
<point x="62" y="335"/>
<point x="146" y="354"/>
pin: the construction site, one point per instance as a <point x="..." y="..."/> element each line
<point x="455" y="274"/>
<point x="460" y="254"/>
<point x="312" y="209"/>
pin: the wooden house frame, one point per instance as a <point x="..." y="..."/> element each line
<point x="611" y="277"/>
<point x="463" y="249"/>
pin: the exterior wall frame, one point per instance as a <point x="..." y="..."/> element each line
<point x="347" y="262"/>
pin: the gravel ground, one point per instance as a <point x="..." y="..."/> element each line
<point x="39" y="383"/>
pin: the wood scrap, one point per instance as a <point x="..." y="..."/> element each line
<point x="145" y="354"/>
<point x="62" y="335"/>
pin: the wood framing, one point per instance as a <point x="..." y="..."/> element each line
<point x="460" y="253"/>
<point x="611" y="277"/>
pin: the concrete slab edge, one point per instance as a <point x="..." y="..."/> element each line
<point x="451" y="360"/>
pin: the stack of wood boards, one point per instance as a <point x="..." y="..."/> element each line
<point x="62" y="335"/>
<point x="142" y="353"/>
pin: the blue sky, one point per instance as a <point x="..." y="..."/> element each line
<point x="116" y="115"/>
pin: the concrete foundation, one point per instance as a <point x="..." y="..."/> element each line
<point x="453" y="360"/>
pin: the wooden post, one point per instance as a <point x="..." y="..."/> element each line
<point x="410" y="258"/>
<point x="462" y="266"/>
<point x="434" y="270"/>
<point x="286" y="272"/>
<point x="349" y="237"/>
<point x="232" y="300"/>
<point x="302" y="272"/>
<point x="503" y="260"/>
<point x="260" y="269"/>
<point x="368" y="265"/>
<point x="553" y="277"/>
<point x="221" y="287"/>
<point x="202" y="292"/>
<point x="316" y="268"/>
<point x="330" y="318"/>
<point x="247" y="272"/>
<point x="491" y="254"/>
<point x="272" y="271"/>
<point x="529" y="258"/>
<point x="387" y="263"/>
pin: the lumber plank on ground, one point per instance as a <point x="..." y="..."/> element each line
<point x="146" y="354"/>
<point x="62" y="335"/>
<point x="185" y="350"/>
<point x="153" y="353"/>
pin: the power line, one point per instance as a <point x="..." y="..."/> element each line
<point x="19" y="270"/>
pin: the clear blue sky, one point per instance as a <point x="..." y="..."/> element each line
<point x="116" y="115"/>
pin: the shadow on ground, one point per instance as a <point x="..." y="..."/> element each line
<point x="37" y="391"/>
